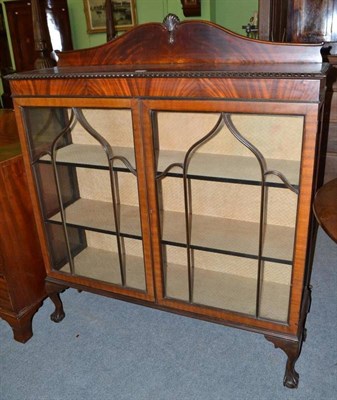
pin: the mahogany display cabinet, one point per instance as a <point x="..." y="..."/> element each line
<point x="175" y="167"/>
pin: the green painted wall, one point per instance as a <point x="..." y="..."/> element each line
<point x="232" y="14"/>
<point x="8" y="35"/>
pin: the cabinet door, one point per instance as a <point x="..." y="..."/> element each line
<point x="227" y="185"/>
<point x="87" y="177"/>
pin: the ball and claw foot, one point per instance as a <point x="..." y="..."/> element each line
<point x="291" y="379"/>
<point x="292" y="349"/>
<point x="57" y="316"/>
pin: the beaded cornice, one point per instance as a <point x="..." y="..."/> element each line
<point x="167" y="74"/>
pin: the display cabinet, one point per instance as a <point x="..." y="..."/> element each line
<point x="175" y="167"/>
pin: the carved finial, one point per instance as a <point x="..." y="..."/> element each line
<point x="171" y="21"/>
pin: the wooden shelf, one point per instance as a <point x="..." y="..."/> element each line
<point x="222" y="235"/>
<point x="91" y="156"/>
<point x="229" y="292"/>
<point x="211" y="288"/>
<point x="226" y="168"/>
<point x="229" y="236"/>
<point x="103" y="265"/>
<point x="98" y="216"/>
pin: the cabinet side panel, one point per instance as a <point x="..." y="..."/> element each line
<point x="19" y="242"/>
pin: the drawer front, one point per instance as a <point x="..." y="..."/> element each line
<point x="5" y="301"/>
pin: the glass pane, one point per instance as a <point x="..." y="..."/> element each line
<point x="43" y="125"/>
<point x="45" y="177"/>
<point x="58" y="247"/>
<point x="275" y="291"/>
<point x="100" y="260"/>
<point x="228" y="190"/>
<point x="85" y="169"/>
<point x="218" y="280"/>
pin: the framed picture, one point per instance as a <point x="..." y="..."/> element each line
<point x="124" y="13"/>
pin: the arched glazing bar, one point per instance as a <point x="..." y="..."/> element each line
<point x="188" y="199"/>
<point x="226" y="119"/>
<point x="52" y="154"/>
<point x="44" y="127"/>
<point x="263" y="203"/>
<point x="78" y="116"/>
<point x="188" y="203"/>
<point x="264" y="200"/>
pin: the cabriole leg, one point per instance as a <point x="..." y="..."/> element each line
<point x="54" y="290"/>
<point x="292" y="350"/>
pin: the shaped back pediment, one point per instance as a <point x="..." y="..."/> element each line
<point x="188" y="42"/>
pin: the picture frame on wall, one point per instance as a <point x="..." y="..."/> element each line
<point x="124" y="12"/>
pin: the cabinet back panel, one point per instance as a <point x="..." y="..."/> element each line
<point x="217" y="199"/>
<point x="114" y="125"/>
<point x="95" y="184"/>
<point x="278" y="137"/>
<point x="230" y="284"/>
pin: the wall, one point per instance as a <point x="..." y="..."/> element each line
<point x="231" y="14"/>
<point x="147" y="11"/>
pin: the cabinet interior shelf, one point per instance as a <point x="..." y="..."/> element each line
<point x="228" y="291"/>
<point x="214" y="234"/>
<point x="211" y="288"/>
<point x="103" y="265"/>
<point x="98" y="216"/>
<point x="222" y="168"/>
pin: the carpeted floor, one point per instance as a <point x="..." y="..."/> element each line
<point x="107" y="349"/>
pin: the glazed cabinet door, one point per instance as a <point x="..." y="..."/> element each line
<point x="227" y="181"/>
<point x="87" y="164"/>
